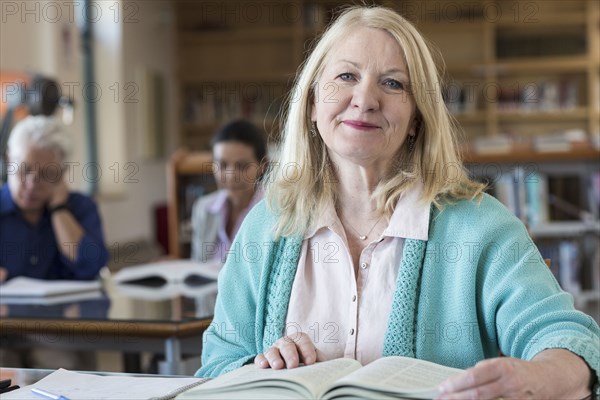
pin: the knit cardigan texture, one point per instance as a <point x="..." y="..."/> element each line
<point x="477" y="286"/>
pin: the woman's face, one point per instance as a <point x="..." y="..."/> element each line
<point x="362" y="106"/>
<point x="236" y="168"/>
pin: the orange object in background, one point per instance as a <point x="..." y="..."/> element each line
<point x="10" y="82"/>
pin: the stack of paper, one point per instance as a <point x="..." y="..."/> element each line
<point x="24" y="290"/>
<point x="81" y="386"/>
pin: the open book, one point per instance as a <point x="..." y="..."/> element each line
<point x="26" y="290"/>
<point x="82" y="386"/>
<point x="385" y="378"/>
<point x="166" y="279"/>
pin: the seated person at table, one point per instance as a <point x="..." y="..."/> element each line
<point x="380" y="244"/>
<point x="239" y="155"/>
<point x="46" y="231"/>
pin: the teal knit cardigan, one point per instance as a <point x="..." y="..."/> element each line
<point x="476" y="287"/>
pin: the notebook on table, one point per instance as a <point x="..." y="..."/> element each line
<point x="24" y="290"/>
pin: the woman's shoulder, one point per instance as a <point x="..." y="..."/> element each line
<point x="481" y="204"/>
<point x="260" y="218"/>
<point x="478" y="214"/>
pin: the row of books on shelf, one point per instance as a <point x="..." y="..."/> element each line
<point x="529" y="46"/>
<point x="563" y="141"/>
<point x="562" y="214"/>
<point x="540" y="199"/>
<point x="567" y="265"/>
<point x="231" y="16"/>
<point x="549" y="95"/>
<point x="252" y="102"/>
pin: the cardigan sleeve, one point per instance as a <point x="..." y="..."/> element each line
<point x="530" y="311"/>
<point x="233" y="337"/>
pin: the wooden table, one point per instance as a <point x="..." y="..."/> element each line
<point x="112" y="322"/>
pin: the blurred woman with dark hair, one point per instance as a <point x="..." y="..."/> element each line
<point x="239" y="154"/>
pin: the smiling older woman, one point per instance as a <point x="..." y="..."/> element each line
<point x="352" y="245"/>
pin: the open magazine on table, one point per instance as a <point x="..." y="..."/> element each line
<point x="169" y="278"/>
<point x="385" y="378"/>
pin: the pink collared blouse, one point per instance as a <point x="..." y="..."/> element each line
<point x="344" y="309"/>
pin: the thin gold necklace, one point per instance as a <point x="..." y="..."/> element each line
<point x="361" y="237"/>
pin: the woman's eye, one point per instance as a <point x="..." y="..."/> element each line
<point x="346" y="76"/>
<point x="394" y="84"/>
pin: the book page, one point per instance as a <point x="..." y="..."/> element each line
<point x="309" y="381"/>
<point x="418" y="378"/>
<point x="82" y="386"/>
<point x="51" y="300"/>
<point x="169" y="270"/>
<point x="22" y="286"/>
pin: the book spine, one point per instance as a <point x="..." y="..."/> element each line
<point x="569" y="268"/>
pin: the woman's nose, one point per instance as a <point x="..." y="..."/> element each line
<point x="365" y="96"/>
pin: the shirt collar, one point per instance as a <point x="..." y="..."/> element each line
<point x="326" y="220"/>
<point x="219" y="204"/>
<point x="410" y="219"/>
<point x="7" y="205"/>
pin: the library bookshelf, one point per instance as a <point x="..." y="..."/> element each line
<point x="522" y="78"/>
<point x="513" y="69"/>
<point x="557" y="196"/>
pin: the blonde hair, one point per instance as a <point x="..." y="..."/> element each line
<point x="299" y="185"/>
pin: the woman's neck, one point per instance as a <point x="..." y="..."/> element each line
<point x="355" y="186"/>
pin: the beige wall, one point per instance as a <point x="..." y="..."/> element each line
<point x="129" y="37"/>
<point x="147" y="42"/>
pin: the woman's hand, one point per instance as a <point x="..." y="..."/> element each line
<point x="3" y="274"/>
<point x="288" y="352"/>
<point x="553" y="373"/>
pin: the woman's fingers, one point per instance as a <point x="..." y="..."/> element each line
<point x="494" y="378"/>
<point x="483" y="373"/>
<point x="307" y="350"/>
<point x="274" y="358"/>
<point x="261" y="361"/>
<point x="288" y="352"/>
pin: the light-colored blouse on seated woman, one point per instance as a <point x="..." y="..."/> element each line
<point x="210" y="214"/>
<point x="361" y="296"/>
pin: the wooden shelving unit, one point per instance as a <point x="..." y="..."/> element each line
<point x="224" y="56"/>
<point x="526" y="155"/>
<point x="185" y="170"/>
<point x="476" y="52"/>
